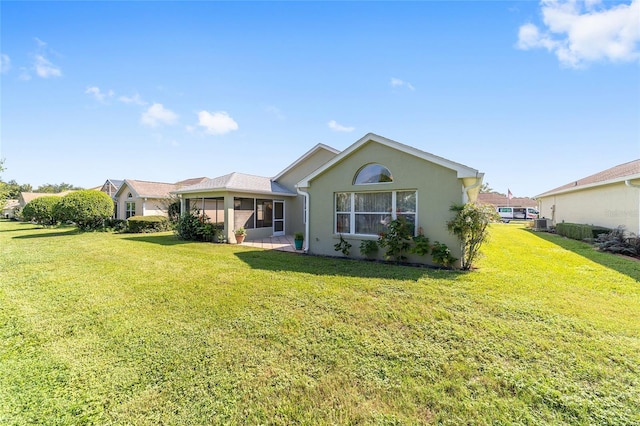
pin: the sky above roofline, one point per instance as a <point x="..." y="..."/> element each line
<point x="534" y="95"/>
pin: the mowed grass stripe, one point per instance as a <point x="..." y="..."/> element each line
<point x="102" y="328"/>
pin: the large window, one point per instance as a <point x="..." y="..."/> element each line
<point x="369" y="213"/>
<point x="130" y="209"/>
<point x="213" y="208"/>
<point x="253" y="213"/>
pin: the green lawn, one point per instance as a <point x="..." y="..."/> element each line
<point x="100" y="328"/>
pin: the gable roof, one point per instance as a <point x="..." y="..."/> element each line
<point x="25" y="197"/>
<point x="502" y="200"/>
<point x="238" y="182"/>
<point x="147" y="189"/>
<point x="619" y="173"/>
<point x="461" y="170"/>
<point x="306" y="155"/>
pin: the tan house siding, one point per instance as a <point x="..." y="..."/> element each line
<point x="294" y="209"/>
<point x="609" y="205"/>
<point x="437" y="189"/>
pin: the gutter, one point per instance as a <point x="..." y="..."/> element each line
<point x="305" y="194"/>
<point x="465" y="190"/>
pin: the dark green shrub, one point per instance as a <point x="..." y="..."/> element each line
<point x="146" y="224"/>
<point x="88" y="209"/>
<point x="470" y="225"/>
<point x="421" y="245"/>
<point x="441" y="255"/>
<point x="580" y="232"/>
<point x="343" y="246"/>
<point x="193" y="226"/>
<point x="368" y="248"/>
<point x="42" y="210"/>
<point x="116" y="225"/>
<point x="397" y="240"/>
<point x="618" y="241"/>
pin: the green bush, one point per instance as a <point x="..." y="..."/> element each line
<point x="42" y="210"/>
<point x="193" y="226"/>
<point x="87" y="208"/>
<point x="117" y="225"/>
<point x="146" y="224"/>
<point x="470" y="225"/>
<point x="580" y="232"/>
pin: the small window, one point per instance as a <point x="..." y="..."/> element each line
<point x="373" y="173"/>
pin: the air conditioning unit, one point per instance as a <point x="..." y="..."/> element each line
<point x="541" y="224"/>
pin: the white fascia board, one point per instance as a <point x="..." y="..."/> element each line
<point x="305" y="156"/>
<point x="461" y="170"/>
<point x="588" y="186"/>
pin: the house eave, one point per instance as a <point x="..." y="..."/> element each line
<point x="577" y="188"/>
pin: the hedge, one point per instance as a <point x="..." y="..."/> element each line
<point x="578" y="231"/>
<point x="140" y="224"/>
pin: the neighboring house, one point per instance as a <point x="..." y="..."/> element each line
<point x="353" y="193"/>
<point x="9" y="209"/>
<point x="110" y="187"/>
<point x="25" y="197"/>
<point x="263" y="206"/>
<point x="143" y="198"/>
<point x="610" y="199"/>
<point x="496" y="200"/>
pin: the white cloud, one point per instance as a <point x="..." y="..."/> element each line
<point x="157" y="114"/>
<point x="396" y="82"/>
<point x="333" y="125"/>
<point x="580" y="32"/>
<point x="135" y="99"/>
<point x="44" y="68"/>
<point x="5" y="63"/>
<point x="98" y="94"/>
<point x="217" y="123"/>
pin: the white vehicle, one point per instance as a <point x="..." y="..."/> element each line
<point x="517" y="213"/>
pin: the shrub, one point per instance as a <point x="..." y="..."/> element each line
<point x="42" y="210"/>
<point x="441" y="255"/>
<point x="397" y="240"/>
<point x="368" y="248"/>
<point x="88" y="209"/>
<point x="579" y="231"/>
<point x="470" y="226"/>
<point x="421" y="245"/>
<point x="116" y="225"/>
<point x="343" y="246"/>
<point x="145" y="224"/>
<point x="617" y="241"/>
<point x="194" y="227"/>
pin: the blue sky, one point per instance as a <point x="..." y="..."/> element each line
<point x="532" y="94"/>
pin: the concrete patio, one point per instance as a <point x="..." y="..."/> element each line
<point x="281" y="243"/>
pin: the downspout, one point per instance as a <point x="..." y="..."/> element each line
<point x="305" y="194"/>
<point x="144" y="205"/>
<point x="466" y="189"/>
<point x="636" y="186"/>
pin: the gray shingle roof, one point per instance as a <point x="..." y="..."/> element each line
<point x="239" y="182"/>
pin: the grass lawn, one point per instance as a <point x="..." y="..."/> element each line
<point x="100" y="328"/>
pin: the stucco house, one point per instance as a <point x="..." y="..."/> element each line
<point x="354" y="194"/>
<point x="263" y="206"/>
<point x="144" y="198"/>
<point x="9" y="209"/>
<point x="610" y="198"/>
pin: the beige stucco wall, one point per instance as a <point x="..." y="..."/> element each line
<point x="437" y="187"/>
<point x="295" y="209"/>
<point x="144" y="207"/>
<point x="609" y="206"/>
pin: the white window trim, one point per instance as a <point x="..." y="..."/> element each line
<point x="352" y="213"/>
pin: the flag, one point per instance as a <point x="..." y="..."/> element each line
<point x="509" y="194"/>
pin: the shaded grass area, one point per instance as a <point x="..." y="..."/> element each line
<point x="101" y="328"/>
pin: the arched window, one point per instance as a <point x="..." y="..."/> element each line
<point x="372" y="173"/>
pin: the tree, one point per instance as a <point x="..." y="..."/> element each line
<point x="42" y="210"/>
<point x="485" y="188"/>
<point x="56" y="188"/>
<point x="88" y="209"/>
<point x="470" y="226"/>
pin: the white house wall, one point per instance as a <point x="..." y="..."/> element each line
<point x="608" y="205"/>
